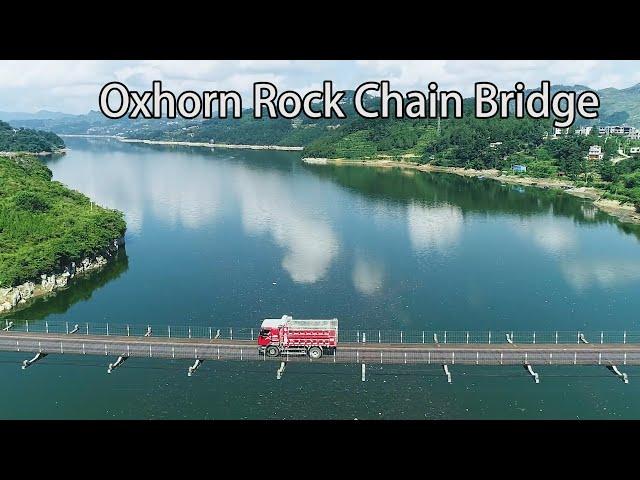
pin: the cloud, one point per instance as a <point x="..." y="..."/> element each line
<point x="462" y="74"/>
<point x="73" y="86"/>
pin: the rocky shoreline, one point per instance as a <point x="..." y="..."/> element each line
<point x="59" y="151"/>
<point x="17" y="296"/>
<point x="624" y="213"/>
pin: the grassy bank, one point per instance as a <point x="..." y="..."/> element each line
<point x="45" y="225"/>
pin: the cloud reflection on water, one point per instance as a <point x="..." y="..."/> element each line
<point x="293" y="223"/>
<point x="434" y="228"/>
<point x="367" y="275"/>
<point x="551" y="234"/>
<point x="177" y="194"/>
<point x="584" y="274"/>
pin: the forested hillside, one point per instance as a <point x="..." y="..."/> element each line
<point x="44" y="225"/>
<point x="27" y="140"/>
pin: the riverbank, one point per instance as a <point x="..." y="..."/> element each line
<point x="13" y="298"/>
<point x="50" y="233"/>
<point x="192" y="144"/>
<point x="59" y="151"/>
<point x="624" y="212"/>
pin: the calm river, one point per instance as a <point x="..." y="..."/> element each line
<point x="230" y="237"/>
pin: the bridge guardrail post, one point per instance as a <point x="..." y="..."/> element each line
<point x="556" y="337"/>
<point x="27" y="323"/>
<point x="624" y="338"/>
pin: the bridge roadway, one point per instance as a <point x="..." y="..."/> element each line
<point x="380" y="353"/>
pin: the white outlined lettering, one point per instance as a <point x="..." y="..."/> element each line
<point x="105" y="104"/>
<point x="116" y="101"/>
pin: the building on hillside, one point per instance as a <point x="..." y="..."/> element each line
<point x="634" y="150"/>
<point x="560" y="131"/>
<point x="595" y="152"/>
<point x="634" y="135"/>
<point x="495" y="144"/>
<point x="623" y="130"/>
<point x="519" y="168"/>
<point x="584" y="130"/>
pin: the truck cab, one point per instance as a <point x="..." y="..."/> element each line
<point x="298" y="337"/>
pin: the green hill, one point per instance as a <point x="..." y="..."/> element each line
<point x="27" y="140"/>
<point x="620" y="106"/>
<point x="44" y="225"/>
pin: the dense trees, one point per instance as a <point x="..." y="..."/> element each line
<point x="44" y="225"/>
<point x="27" y="140"/>
<point x="624" y="180"/>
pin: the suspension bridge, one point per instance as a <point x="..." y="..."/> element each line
<point x="612" y="350"/>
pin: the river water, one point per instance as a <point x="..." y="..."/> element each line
<point x="229" y="237"/>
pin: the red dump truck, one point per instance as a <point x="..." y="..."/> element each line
<point x="298" y="337"/>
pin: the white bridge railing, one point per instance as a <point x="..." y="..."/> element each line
<point x="345" y="336"/>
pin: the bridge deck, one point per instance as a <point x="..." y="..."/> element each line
<point x="385" y="353"/>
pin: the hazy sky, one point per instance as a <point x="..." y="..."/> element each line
<point x="73" y="86"/>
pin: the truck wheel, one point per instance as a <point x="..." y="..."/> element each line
<point x="315" y="352"/>
<point x="272" y="351"/>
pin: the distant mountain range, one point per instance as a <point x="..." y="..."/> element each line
<point x="620" y="105"/>
<point x="40" y="115"/>
<point x="617" y="106"/>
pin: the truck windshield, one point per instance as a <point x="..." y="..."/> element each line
<point x="264" y="332"/>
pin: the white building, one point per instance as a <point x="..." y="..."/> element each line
<point x="595" y="152"/>
<point x="624" y="130"/>
<point x="583" y="131"/>
<point x="634" y="135"/>
<point x="634" y="150"/>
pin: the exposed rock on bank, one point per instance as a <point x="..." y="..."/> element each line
<point x="16" y="296"/>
